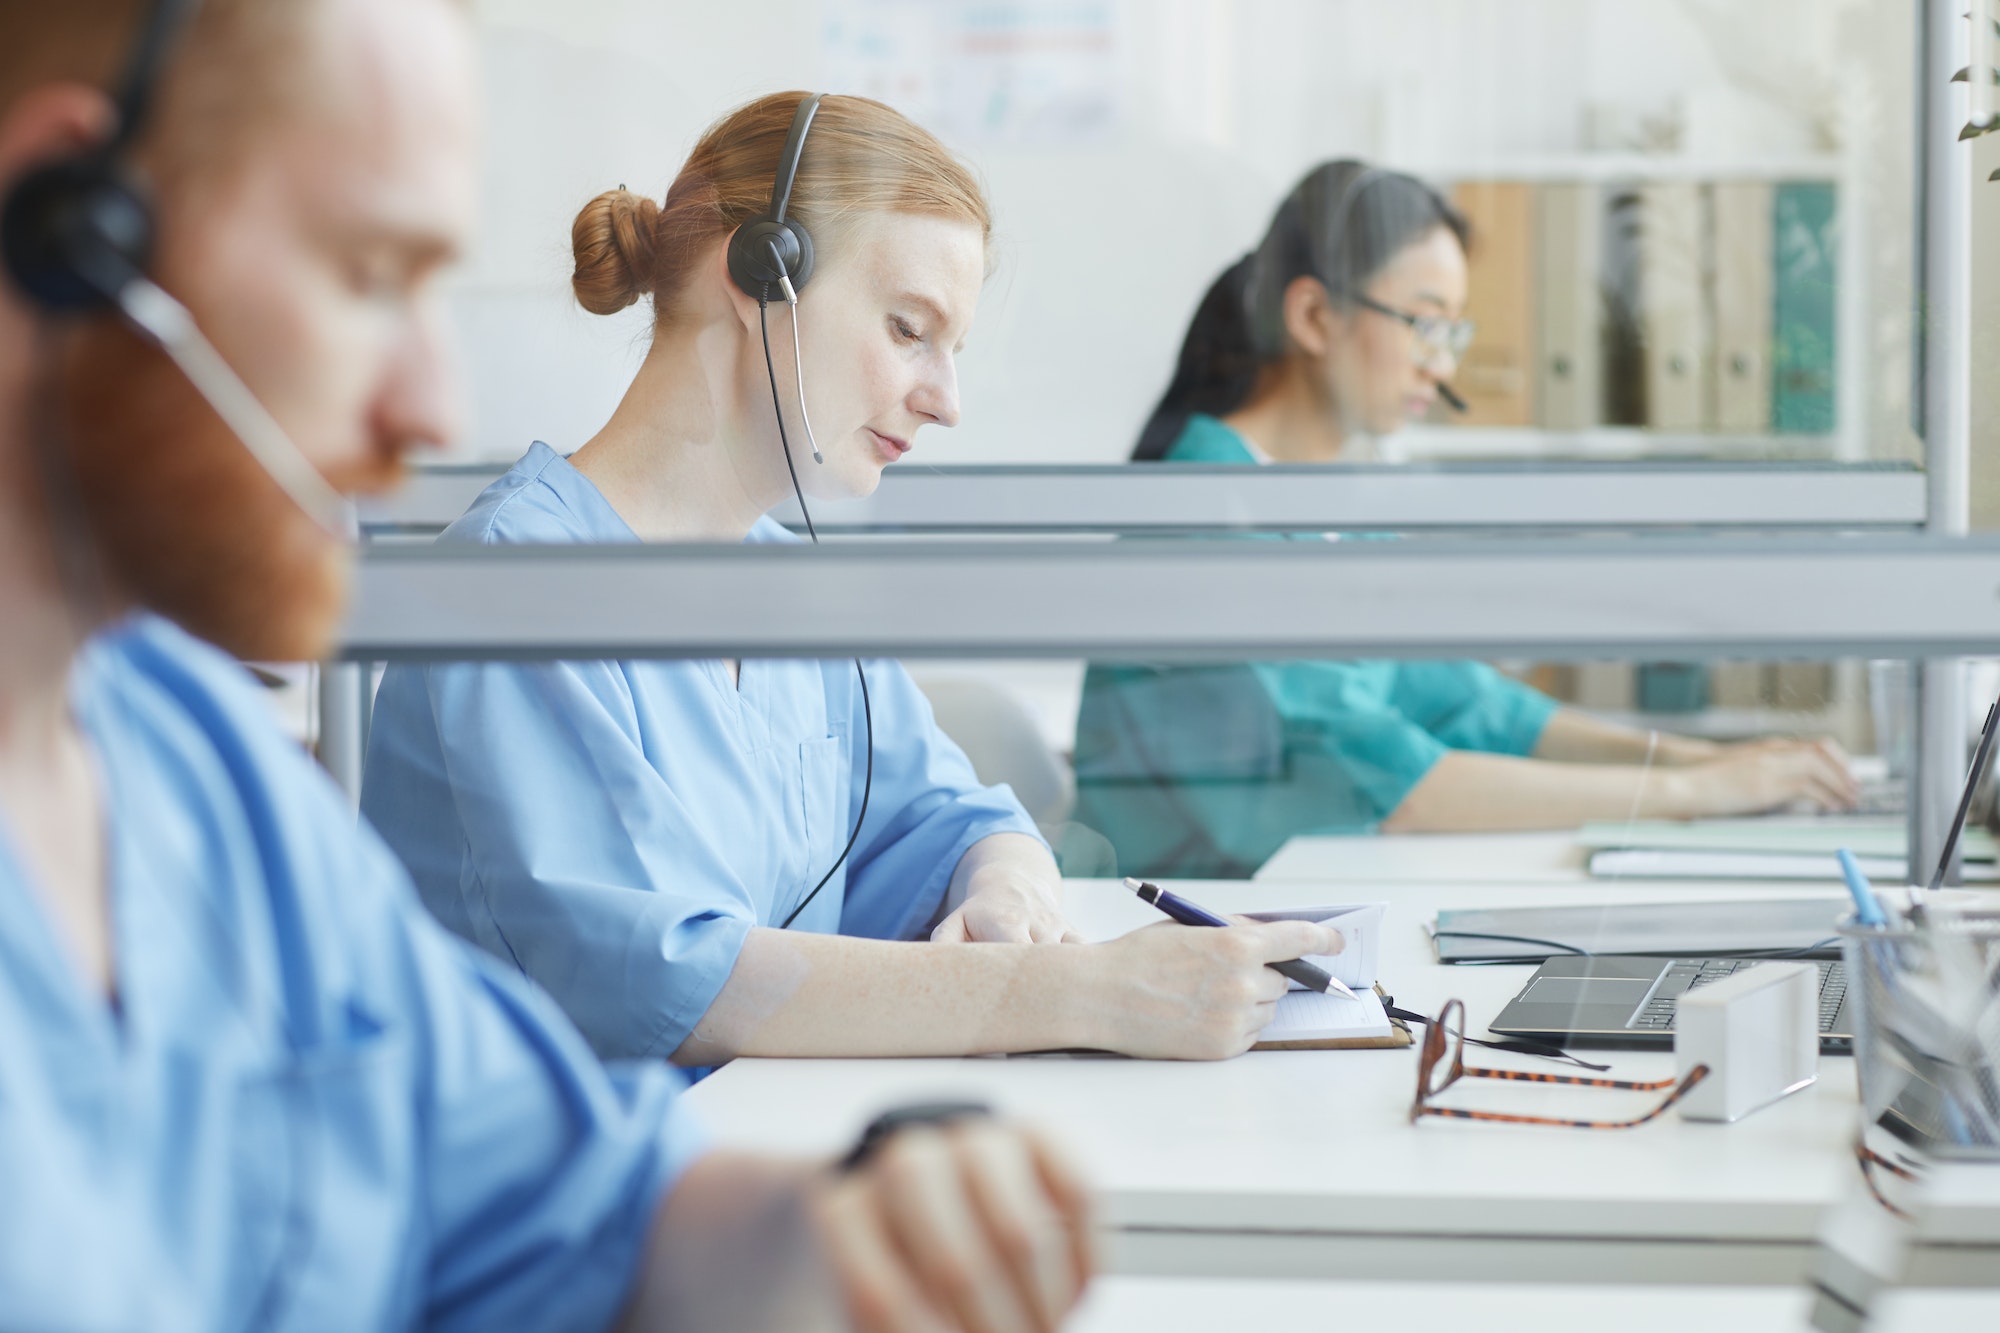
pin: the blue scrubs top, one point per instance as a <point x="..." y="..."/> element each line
<point x="1206" y="771"/>
<point x="310" y="1107"/>
<point x="615" y="828"/>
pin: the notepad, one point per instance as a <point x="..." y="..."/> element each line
<point x="1306" y="1016"/>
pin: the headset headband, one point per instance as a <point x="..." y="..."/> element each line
<point x="788" y="160"/>
<point x="165" y="23"/>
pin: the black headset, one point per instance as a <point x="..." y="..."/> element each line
<point x="76" y="232"/>
<point x="77" y="236"/>
<point x="771" y="251"/>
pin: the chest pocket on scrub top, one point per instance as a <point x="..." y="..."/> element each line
<point x="309" y="1129"/>
<point x="826" y="780"/>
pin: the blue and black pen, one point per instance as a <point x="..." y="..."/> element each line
<point x="1310" y="975"/>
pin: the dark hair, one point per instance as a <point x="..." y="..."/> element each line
<point x="1342" y="224"/>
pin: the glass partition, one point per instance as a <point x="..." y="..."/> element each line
<point x="1278" y="768"/>
<point x="1193" y="707"/>
<point x="1691" y="222"/>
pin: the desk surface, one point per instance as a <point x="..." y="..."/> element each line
<point x="1289" y="1163"/>
<point x="1431" y="858"/>
<point x="1203" y="1305"/>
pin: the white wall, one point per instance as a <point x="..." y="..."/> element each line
<point x="1107" y="241"/>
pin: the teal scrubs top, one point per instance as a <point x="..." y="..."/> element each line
<point x="615" y="829"/>
<point x="1206" y="771"/>
<point x="309" y="1108"/>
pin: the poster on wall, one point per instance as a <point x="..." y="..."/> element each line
<point x="1030" y="72"/>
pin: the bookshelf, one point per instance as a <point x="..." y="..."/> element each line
<point x="1702" y="307"/>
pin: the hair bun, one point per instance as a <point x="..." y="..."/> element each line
<point x="615" y="244"/>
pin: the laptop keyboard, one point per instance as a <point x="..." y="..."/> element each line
<point x="1657" y="1015"/>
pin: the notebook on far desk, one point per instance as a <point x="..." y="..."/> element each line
<point x="1656" y="863"/>
<point x="1770" y="835"/>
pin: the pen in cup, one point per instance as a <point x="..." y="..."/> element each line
<point x="1867" y="912"/>
<point x="1310" y="975"/>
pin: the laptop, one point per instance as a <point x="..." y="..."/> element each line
<point x="1592" y="998"/>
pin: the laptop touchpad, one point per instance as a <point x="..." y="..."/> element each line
<point x="1574" y="992"/>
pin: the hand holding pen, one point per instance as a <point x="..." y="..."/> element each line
<point x="1310" y="975"/>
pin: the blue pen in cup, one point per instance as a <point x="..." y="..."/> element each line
<point x="1867" y="911"/>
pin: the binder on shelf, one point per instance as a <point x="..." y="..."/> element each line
<point x="1497" y="379"/>
<point x="1571" y="360"/>
<point x="1672" y="312"/>
<point x="1742" y="212"/>
<point x="1805" y="262"/>
<point x="1672" y="687"/>
<point x="1555" y="679"/>
<point x="1607" y="686"/>
<point x="1800" y="686"/>
<point x="1736" y="684"/>
<point x="1622" y="401"/>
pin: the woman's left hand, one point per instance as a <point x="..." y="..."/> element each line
<point x="1008" y="891"/>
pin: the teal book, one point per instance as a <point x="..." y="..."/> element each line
<point x="1672" y="687"/>
<point x="1805" y="290"/>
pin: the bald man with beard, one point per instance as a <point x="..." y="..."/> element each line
<point x="245" y="1082"/>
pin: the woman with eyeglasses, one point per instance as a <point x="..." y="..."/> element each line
<point x="1347" y="320"/>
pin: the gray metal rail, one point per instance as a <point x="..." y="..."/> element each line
<point x="1188" y="598"/>
<point x="1191" y="497"/>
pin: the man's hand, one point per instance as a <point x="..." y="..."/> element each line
<point x="978" y="1226"/>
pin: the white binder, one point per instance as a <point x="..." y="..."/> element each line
<point x="1743" y="247"/>
<point x="1673" y="314"/>
<point x="1571" y="359"/>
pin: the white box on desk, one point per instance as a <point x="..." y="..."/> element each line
<point x="1758" y="1033"/>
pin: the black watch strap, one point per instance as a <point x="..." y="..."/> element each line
<point x="885" y="1126"/>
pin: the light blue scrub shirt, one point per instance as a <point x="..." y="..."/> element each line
<point x="1206" y="771"/>
<point x="310" y="1108"/>
<point x="615" y="828"/>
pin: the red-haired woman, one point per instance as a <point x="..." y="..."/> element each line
<point x="637" y="836"/>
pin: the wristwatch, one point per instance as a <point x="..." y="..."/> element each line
<point x="885" y="1126"/>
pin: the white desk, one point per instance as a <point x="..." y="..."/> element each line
<point x="1205" y="1305"/>
<point x="1431" y="858"/>
<point x="1288" y="1164"/>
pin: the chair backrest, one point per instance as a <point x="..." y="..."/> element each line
<point x="1000" y="735"/>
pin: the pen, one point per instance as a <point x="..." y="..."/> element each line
<point x="1867" y="911"/>
<point x="1310" y="975"/>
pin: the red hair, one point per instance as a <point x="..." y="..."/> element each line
<point x="861" y="157"/>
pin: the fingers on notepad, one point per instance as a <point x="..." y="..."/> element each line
<point x="1285" y="940"/>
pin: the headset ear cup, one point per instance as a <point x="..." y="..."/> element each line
<point x="802" y="266"/>
<point x="73" y="234"/>
<point x="750" y="255"/>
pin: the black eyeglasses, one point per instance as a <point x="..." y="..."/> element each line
<point x="1436" y="337"/>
